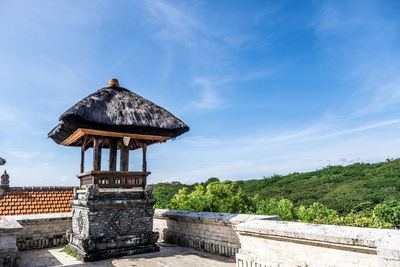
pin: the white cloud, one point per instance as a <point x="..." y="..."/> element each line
<point x="209" y="98"/>
<point x="367" y="44"/>
<point x="188" y="24"/>
<point x="368" y="40"/>
<point x="7" y="113"/>
<point x="321" y="131"/>
<point x="173" y="22"/>
<point x="255" y="156"/>
<point x="382" y="97"/>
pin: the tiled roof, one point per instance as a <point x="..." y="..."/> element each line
<point x="35" y="200"/>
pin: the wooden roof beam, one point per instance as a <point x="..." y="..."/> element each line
<point x="79" y="133"/>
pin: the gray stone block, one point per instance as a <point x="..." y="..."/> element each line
<point x="8" y="246"/>
<point x="107" y="224"/>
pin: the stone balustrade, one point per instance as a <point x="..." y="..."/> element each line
<point x="42" y="230"/>
<point x="254" y="240"/>
<point x="212" y="232"/>
<point x="266" y="243"/>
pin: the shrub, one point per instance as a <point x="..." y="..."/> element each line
<point x="215" y="197"/>
<point x="284" y="208"/>
<point x="315" y="213"/>
<point x="387" y="213"/>
<point x="228" y="197"/>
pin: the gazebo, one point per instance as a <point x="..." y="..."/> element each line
<point x="112" y="211"/>
<point x="115" y="118"/>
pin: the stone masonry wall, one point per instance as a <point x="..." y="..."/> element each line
<point x="256" y="239"/>
<point x="207" y="231"/>
<point x="42" y="230"/>
<point x="8" y="249"/>
<point x="273" y="244"/>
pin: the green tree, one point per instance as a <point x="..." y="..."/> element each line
<point x="387" y="212"/>
<point x="284" y="208"/>
<point x="215" y="197"/>
<point x="211" y="180"/>
<point x="364" y="195"/>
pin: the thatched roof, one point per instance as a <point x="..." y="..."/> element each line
<point x="117" y="109"/>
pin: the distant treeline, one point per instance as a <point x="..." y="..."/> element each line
<point x="360" y="195"/>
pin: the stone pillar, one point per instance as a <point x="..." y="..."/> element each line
<point x="8" y="244"/>
<point x="108" y="223"/>
<point x="5" y="182"/>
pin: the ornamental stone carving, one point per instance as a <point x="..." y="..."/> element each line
<point x="92" y="192"/>
<point x="110" y="223"/>
<point x="148" y="191"/>
<point x="5" y="179"/>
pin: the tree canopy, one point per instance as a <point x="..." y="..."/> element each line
<point x="361" y="194"/>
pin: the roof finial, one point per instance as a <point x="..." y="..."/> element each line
<point x="113" y="82"/>
<point x="5" y="179"/>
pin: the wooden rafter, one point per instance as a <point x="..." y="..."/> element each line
<point x="79" y="133"/>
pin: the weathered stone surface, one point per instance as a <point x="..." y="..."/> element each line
<point x="267" y="243"/>
<point x="111" y="223"/>
<point x="169" y="255"/>
<point x="299" y="244"/>
<point x="42" y="230"/>
<point x="207" y="231"/>
<point x="5" y="181"/>
<point x="8" y="247"/>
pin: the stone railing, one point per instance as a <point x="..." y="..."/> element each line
<point x="42" y="230"/>
<point x="208" y="231"/>
<point x="212" y="232"/>
<point x="113" y="179"/>
<point x="252" y="239"/>
<point x="266" y="243"/>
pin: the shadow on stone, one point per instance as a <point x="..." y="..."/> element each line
<point x="38" y="258"/>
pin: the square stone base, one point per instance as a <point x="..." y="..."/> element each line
<point x="112" y="223"/>
<point x="112" y="253"/>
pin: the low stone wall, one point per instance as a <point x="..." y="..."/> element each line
<point x="207" y="231"/>
<point x="266" y="243"/>
<point x="42" y="230"/>
<point x="253" y="239"/>
<point x="8" y="249"/>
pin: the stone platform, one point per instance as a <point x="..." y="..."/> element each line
<point x="109" y="223"/>
<point x="169" y="255"/>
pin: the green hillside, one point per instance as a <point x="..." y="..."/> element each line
<point x="164" y="192"/>
<point x="357" y="187"/>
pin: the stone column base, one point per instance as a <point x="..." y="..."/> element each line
<point x="113" y="252"/>
<point x="110" y="223"/>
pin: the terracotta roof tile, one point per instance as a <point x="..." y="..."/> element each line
<point x="36" y="200"/>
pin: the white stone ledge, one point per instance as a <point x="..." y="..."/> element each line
<point x="209" y="217"/>
<point x="344" y="235"/>
<point x="9" y="225"/>
<point x="39" y="217"/>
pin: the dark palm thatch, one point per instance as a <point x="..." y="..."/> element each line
<point x="119" y="110"/>
<point x="2" y="161"/>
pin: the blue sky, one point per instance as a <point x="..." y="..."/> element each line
<point x="267" y="87"/>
